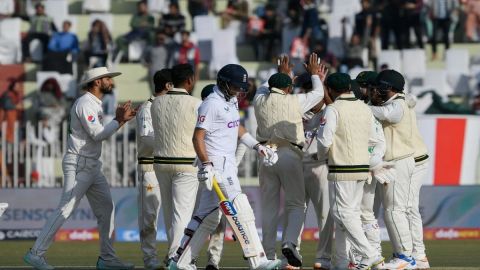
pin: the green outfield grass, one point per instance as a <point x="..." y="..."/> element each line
<point x="455" y="254"/>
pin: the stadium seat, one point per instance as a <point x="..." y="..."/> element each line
<point x="205" y="29"/>
<point x="436" y="79"/>
<point x="66" y="81"/>
<point x="288" y="34"/>
<point x="392" y="58"/>
<point x="11" y="40"/>
<point x="58" y="10"/>
<point x="106" y="18"/>
<point x="457" y="63"/>
<point x="414" y="73"/>
<point x="135" y="50"/>
<point x="224" y="50"/>
<point x="96" y="6"/>
<point x="36" y="50"/>
<point x="158" y="6"/>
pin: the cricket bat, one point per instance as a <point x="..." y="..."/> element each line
<point x="238" y="228"/>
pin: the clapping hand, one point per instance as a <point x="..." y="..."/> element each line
<point x="125" y="112"/>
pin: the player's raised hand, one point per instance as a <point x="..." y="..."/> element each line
<point x="284" y="65"/>
<point x="313" y="64"/>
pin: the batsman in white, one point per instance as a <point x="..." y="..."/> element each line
<point x="82" y="171"/>
<point x="279" y="118"/>
<point x="344" y="136"/>
<point x="215" y="140"/>
<point x="148" y="188"/>
<point x="315" y="171"/>
<point x="395" y="116"/>
<point x="174" y="116"/>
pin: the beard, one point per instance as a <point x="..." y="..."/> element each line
<point x="105" y="88"/>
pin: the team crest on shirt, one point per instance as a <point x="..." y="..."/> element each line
<point x="91" y="118"/>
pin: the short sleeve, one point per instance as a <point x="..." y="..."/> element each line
<point x="145" y="127"/>
<point x="206" y="116"/>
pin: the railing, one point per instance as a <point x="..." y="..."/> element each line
<point x="34" y="160"/>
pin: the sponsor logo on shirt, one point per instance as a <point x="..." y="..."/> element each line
<point x="323" y="121"/>
<point x="201" y="118"/>
<point x="233" y="124"/>
<point x="91" y="118"/>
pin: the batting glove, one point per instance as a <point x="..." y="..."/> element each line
<point x="269" y="153"/>
<point x="205" y="174"/>
<point x="385" y="172"/>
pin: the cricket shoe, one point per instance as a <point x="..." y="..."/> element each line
<point x="322" y="264"/>
<point x="174" y="266"/>
<point x="400" y="262"/>
<point x="269" y="265"/>
<point x="114" y="264"/>
<point x="284" y="265"/>
<point x="38" y="262"/>
<point x="211" y="267"/>
<point x="422" y="263"/>
<point x="370" y="263"/>
<point x="291" y="253"/>
<point x="152" y="264"/>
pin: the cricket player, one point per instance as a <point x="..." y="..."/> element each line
<point x="344" y="136"/>
<point x="174" y="115"/>
<point x="421" y="166"/>
<point x="215" y="140"/>
<point x="148" y="188"/>
<point x="395" y="116"/>
<point x="315" y="172"/>
<point x="366" y="80"/>
<point x="279" y="118"/>
<point x="82" y="171"/>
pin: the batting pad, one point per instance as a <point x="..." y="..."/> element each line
<point x="192" y="244"/>
<point x="247" y="219"/>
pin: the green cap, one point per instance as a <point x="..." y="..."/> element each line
<point x="366" y="77"/>
<point x="280" y="80"/>
<point x="339" y="82"/>
<point x="390" y="78"/>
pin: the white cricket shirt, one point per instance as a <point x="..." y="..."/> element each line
<point x="145" y="135"/>
<point x="221" y="120"/>
<point x="86" y="131"/>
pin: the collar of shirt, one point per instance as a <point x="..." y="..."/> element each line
<point x="94" y="98"/>
<point x="346" y="95"/>
<point x="217" y="91"/>
<point x="277" y="91"/>
<point x="390" y="100"/>
<point x="179" y="90"/>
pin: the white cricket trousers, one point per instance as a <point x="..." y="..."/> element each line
<point x="148" y="207"/>
<point x="419" y="173"/>
<point x="287" y="173"/>
<point x="397" y="203"/>
<point x="82" y="176"/>
<point x="346" y="197"/>
<point x="178" y="192"/>
<point x="316" y="190"/>
<point x="369" y="221"/>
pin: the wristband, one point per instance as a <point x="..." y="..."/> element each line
<point x="248" y="140"/>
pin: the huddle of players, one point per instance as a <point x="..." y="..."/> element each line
<point x="334" y="147"/>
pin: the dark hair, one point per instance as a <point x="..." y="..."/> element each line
<point x="161" y="78"/>
<point x="174" y="5"/>
<point x="141" y="2"/>
<point x="181" y="73"/>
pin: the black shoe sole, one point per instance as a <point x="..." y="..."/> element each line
<point x="292" y="260"/>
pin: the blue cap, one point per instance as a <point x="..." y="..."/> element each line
<point x="235" y="75"/>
